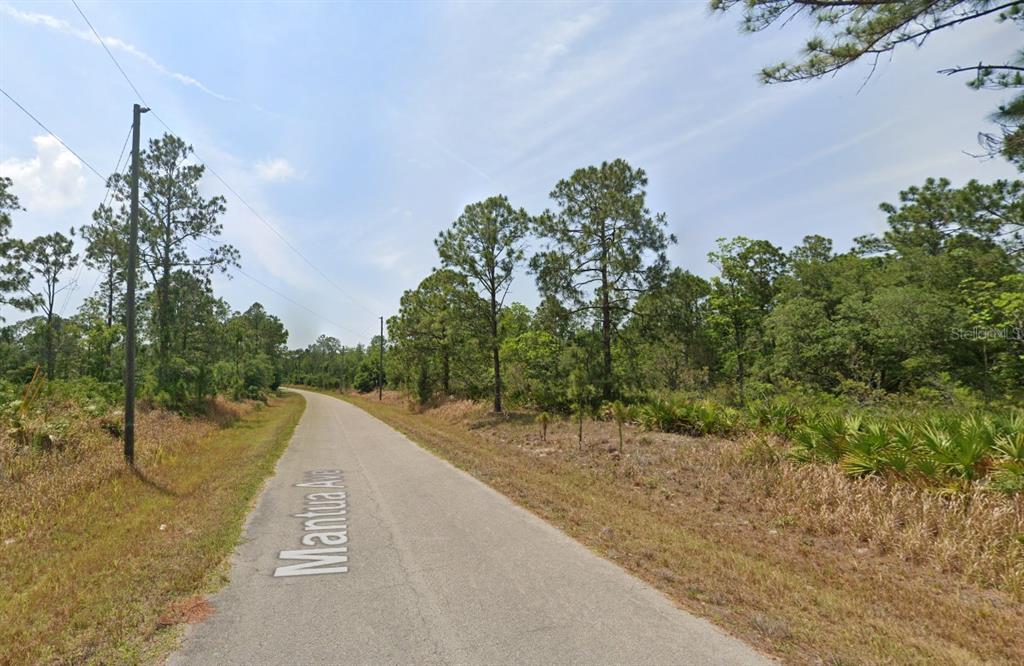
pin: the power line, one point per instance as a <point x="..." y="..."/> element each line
<point x="117" y="166"/>
<point x="74" y="283"/>
<point x="110" y="182"/>
<point x="71" y="290"/>
<point x="75" y="280"/>
<point x="270" y="226"/>
<point x="286" y="297"/>
<point x="307" y="309"/>
<point x="51" y="133"/>
<point x="104" y="45"/>
<point x="216" y="175"/>
<point x="66" y="146"/>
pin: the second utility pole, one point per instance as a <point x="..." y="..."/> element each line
<point x="380" y="371"/>
<point x="129" y="343"/>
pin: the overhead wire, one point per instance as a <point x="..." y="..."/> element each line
<point x="104" y="45"/>
<point x="74" y="283"/>
<point x="52" y="133"/>
<point x="108" y="190"/>
<point x="216" y="175"/>
<point x="285" y="296"/>
<point x="117" y="166"/>
<point x="78" y="273"/>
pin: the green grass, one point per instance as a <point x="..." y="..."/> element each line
<point x="95" y="578"/>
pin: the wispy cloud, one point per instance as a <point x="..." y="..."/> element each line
<point x="842" y="146"/>
<point x="557" y="42"/>
<point x="391" y="255"/>
<point x="608" y="72"/>
<point x="275" y="170"/>
<point x="385" y="257"/>
<point x="724" y="124"/>
<point x="115" y="43"/>
<point x="458" y="158"/>
<point x="261" y="245"/>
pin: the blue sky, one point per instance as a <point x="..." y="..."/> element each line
<point x="362" y="130"/>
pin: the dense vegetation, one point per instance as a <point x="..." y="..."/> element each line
<point x="852" y="354"/>
<point x="327" y="363"/>
<point x="192" y="345"/>
<point x="902" y="355"/>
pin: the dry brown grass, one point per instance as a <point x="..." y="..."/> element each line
<point x="456" y="411"/>
<point x="976" y="536"/>
<point x="98" y="561"/>
<point x="224" y="412"/>
<point x="798" y="560"/>
<point x="191" y="610"/>
<point x="34" y="483"/>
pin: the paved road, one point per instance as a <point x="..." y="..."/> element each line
<point x="440" y="569"/>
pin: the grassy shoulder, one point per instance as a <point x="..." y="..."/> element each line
<point x="798" y="560"/>
<point x="102" y="564"/>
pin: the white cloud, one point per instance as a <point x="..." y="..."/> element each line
<point x="51" y="180"/>
<point x="544" y="111"/>
<point x="260" y="246"/>
<point x="275" y="170"/>
<point x="386" y="257"/>
<point x="114" y="43"/>
<point x="390" y="255"/>
<point x="558" y="41"/>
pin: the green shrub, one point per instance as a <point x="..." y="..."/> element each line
<point x="691" y="417"/>
<point x="658" y="414"/>
<point x="779" y="415"/>
<point x="951" y="446"/>
<point x="1008" y="477"/>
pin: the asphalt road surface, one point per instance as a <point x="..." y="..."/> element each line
<point x="416" y="562"/>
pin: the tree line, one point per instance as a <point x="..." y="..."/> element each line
<point x="327" y="363"/>
<point x="192" y="344"/>
<point x="933" y="306"/>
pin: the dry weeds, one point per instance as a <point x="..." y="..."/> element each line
<point x="190" y="610"/>
<point x="98" y="562"/>
<point x="34" y="483"/>
<point x="799" y="560"/>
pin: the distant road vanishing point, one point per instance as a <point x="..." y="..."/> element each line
<point x="366" y="549"/>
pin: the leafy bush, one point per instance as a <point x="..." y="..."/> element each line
<point x="777" y="414"/>
<point x="1008" y="477"/>
<point x="691" y="417"/>
<point x="85" y="392"/>
<point x="366" y="376"/>
<point x="952" y="449"/>
<point x="44" y="416"/>
<point x="904" y="439"/>
<point x="658" y="414"/>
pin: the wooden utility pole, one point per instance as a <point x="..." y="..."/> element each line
<point x="129" y="345"/>
<point x="380" y="366"/>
